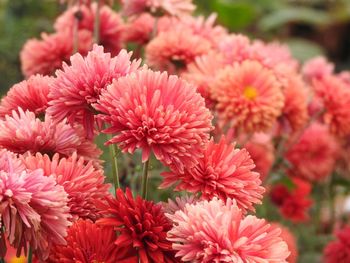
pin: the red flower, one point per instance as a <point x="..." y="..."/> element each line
<point x="338" y="251"/>
<point x="142" y="226"/>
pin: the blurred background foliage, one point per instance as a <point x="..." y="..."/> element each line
<point x="309" y="27"/>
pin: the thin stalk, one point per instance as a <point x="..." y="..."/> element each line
<point x="97" y="23"/>
<point x="2" y="260"/>
<point x="155" y="28"/>
<point x="77" y="17"/>
<point x="114" y="161"/>
<point x="145" y="179"/>
<point x="332" y="210"/>
<point x="30" y="255"/>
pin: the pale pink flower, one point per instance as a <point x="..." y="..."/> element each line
<point x="216" y="231"/>
<point x="156" y="113"/>
<point x="291" y="241"/>
<point x="9" y="161"/>
<point x="31" y="94"/>
<point x="83" y="182"/>
<point x="249" y="96"/>
<point x="23" y="132"/>
<point x="46" y="55"/>
<point x="317" y="68"/>
<point x="33" y="210"/>
<point x="79" y="85"/>
<point x="235" y="48"/>
<point x="173" y="50"/>
<point x="224" y="172"/>
<point x="179" y="203"/>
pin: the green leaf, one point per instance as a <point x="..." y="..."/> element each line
<point x="303" y="49"/>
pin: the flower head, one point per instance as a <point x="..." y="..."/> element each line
<point x="23" y="132"/>
<point x="142" y="227"/>
<point x="249" y="95"/>
<point x="79" y="85"/>
<point x="317" y="68"/>
<point x="179" y="203"/>
<point x="83" y="182"/>
<point x="10" y="162"/>
<point x="216" y="231"/>
<point x="291" y="241"/>
<point x="338" y="250"/>
<point x="223" y="171"/>
<point x="156" y="113"/>
<point x="86" y="243"/>
<point x="31" y="94"/>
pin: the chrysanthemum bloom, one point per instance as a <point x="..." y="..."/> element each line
<point x="170" y="7"/>
<point x="235" y="48"/>
<point x="224" y="172"/>
<point x="313" y="156"/>
<point x="46" y="55"/>
<point x="179" y="203"/>
<point x="86" y="243"/>
<point x="215" y="231"/>
<point x="335" y="95"/>
<point x="289" y="238"/>
<point x="23" y="132"/>
<point x="295" y="111"/>
<point x="173" y="50"/>
<point x="34" y="211"/>
<point x="10" y="162"/>
<point x="293" y="203"/>
<point x="338" y="251"/>
<point x="317" y="68"/>
<point x="156" y="113"/>
<point x="202" y="73"/>
<point x="110" y="24"/>
<point x="31" y="94"/>
<point x="261" y="150"/>
<point x="139" y="29"/>
<point x="79" y="85"/>
<point x="142" y="227"/>
<point x="83" y="182"/>
<point x="344" y="76"/>
<point x="249" y="96"/>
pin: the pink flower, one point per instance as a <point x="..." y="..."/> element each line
<point x="31" y="94"/>
<point x="235" y="48"/>
<point x="317" y="68"/>
<point x="291" y="241"/>
<point x="46" y="55"/>
<point x="216" y="231"/>
<point x="139" y="29"/>
<point x="83" y="182"/>
<point x="173" y="50"/>
<point x="249" y="96"/>
<point x="23" y="132"/>
<point x="110" y="29"/>
<point x="179" y="203"/>
<point x="79" y="85"/>
<point x="10" y="162"/>
<point x="224" y="172"/>
<point x="156" y="113"/>
<point x="313" y="156"/>
<point x="33" y="210"/>
<point x="338" y="251"/>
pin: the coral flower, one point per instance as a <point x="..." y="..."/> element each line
<point x="46" y="55"/>
<point x="224" y="172"/>
<point x="157" y="113"/>
<point x="86" y="243"/>
<point x="142" y="227"/>
<point x="215" y="231"/>
<point x="79" y="85"/>
<point x="173" y="50"/>
<point x="83" y="182"/>
<point x="31" y="94"/>
<point x="290" y="239"/>
<point x="33" y="210"/>
<point x="23" y="132"/>
<point x="338" y="251"/>
<point x="313" y="156"/>
<point x="317" y="68"/>
<point x="249" y="95"/>
<point x="110" y="24"/>
<point x="335" y="95"/>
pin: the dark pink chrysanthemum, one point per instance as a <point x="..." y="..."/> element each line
<point x="249" y="96"/>
<point x="173" y="50"/>
<point x="110" y="24"/>
<point x="83" y="182"/>
<point x="338" y="251"/>
<point x="156" y="113"/>
<point x="31" y="94"/>
<point x="79" y="85"/>
<point x="46" y="55"/>
<point x="288" y="237"/>
<point x="86" y="243"/>
<point x="224" y="172"/>
<point x="33" y="210"/>
<point x="216" y="231"/>
<point x="314" y="155"/>
<point x="142" y="228"/>
<point x="23" y="132"/>
<point x="317" y="68"/>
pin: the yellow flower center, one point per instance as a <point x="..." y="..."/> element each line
<point x="250" y="93"/>
<point x="21" y="259"/>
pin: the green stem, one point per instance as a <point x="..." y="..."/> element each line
<point x="114" y="161"/>
<point x="30" y="255"/>
<point x="331" y="203"/>
<point x="97" y="23"/>
<point x="145" y="179"/>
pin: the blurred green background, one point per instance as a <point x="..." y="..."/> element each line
<point x="309" y="27"/>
